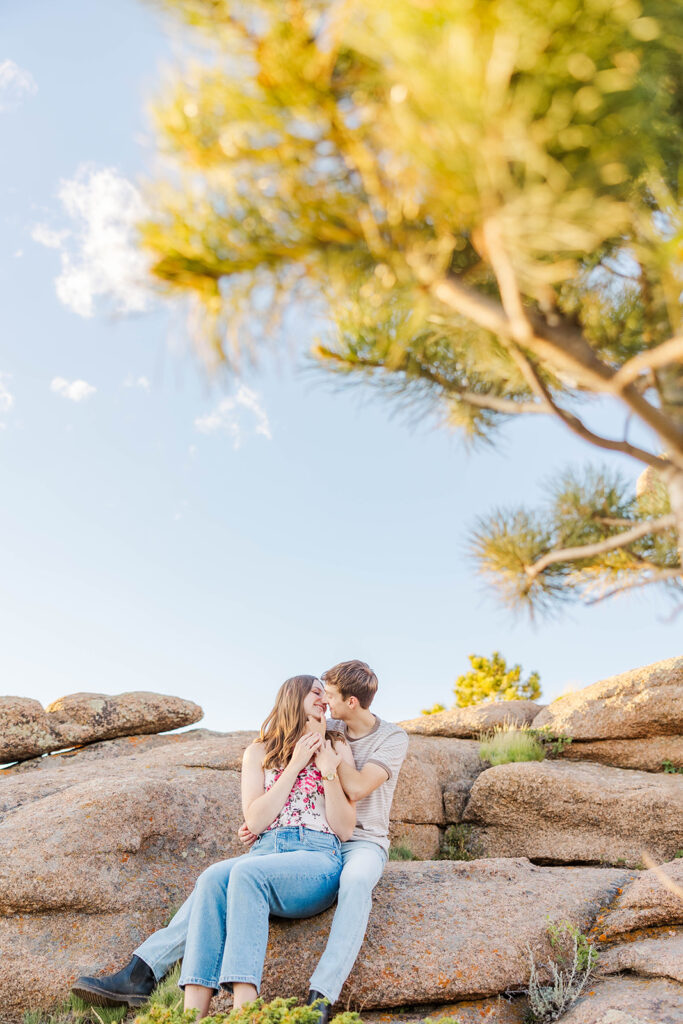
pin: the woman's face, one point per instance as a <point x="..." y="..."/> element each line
<point x="314" y="701"/>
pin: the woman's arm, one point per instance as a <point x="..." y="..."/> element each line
<point x="260" y="806"/>
<point x="339" y="810"/>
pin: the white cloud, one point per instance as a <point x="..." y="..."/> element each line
<point x="6" y="398"/>
<point x="229" y="416"/>
<point x="75" y="390"/>
<point x="44" y="235"/>
<point x="15" y="84"/>
<point x="136" y="382"/>
<point x="99" y="256"/>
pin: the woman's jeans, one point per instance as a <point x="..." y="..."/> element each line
<point x="363" y="865"/>
<point x="289" y="872"/>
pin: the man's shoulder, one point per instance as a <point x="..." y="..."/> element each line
<point x="387" y="729"/>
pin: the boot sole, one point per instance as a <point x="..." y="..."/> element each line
<point x="101" y="997"/>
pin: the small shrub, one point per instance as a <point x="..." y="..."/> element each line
<point x="574" y="963"/>
<point x="553" y="744"/>
<point x="279" y="1011"/>
<point x="459" y="843"/>
<point x="401" y="852"/>
<point x="505" y="744"/>
<point x="678" y="853"/>
<point x="671" y="769"/>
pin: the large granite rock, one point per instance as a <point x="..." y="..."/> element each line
<point x="647" y="701"/>
<point x="629" y="1001"/>
<point x="649" y="754"/>
<point x="656" y="958"/>
<point x="578" y="812"/>
<point x="469" y="722"/>
<point x="24" y="729"/>
<point x="434" y="765"/>
<point x="97" y="846"/>
<point x="646" y="903"/>
<point x="27" y="730"/>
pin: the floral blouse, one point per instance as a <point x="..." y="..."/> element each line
<point x="306" y="802"/>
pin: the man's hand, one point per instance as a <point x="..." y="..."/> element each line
<point x="245" y="836"/>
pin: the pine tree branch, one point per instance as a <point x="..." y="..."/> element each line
<point x="508" y="406"/>
<point x="619" y="540"/>
<point x="562" y="345"/>
<point x="657" y="577"/>
<point x="668" y="352"/>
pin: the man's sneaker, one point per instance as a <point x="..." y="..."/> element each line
<point x="321" y="1003"/>
<point x="131" y="986"/>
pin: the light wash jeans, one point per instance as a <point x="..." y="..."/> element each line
<point x="363" y="863"/>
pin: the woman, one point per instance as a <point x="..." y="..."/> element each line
<point x="293" y="800"/>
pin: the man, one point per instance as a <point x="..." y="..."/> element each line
<point x="378" y="749"/>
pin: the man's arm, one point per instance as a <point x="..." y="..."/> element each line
<point x="357" y="784"/>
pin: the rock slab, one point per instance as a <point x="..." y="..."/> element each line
<point x="469" y="722"/>
<point x="27" y="730"/>
<point x="645" y="702"/>
<point x="576" y="812"/>
<point x="649" y="754"/>
<point x="647" y="902"/>
<point x="629" y="1001"/>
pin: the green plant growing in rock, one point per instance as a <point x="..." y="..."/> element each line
<point x="400" y="851"/>
<point x="75" y="1011"/>
<point x="507" y="744"/>
<point x="573" y="964"/>
<point x="278" y="1011"/>
<point x="552" y="743"/>
<point x="670" y="768"/>
<point x="459" y="843"/>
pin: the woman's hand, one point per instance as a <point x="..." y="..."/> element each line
<point x="245" y="835"/>
<point x="305" y="749"/>
<point x="318" y="725"/>
<point x="327" y="759"/>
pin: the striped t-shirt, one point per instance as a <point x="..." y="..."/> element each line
<point x="386" y="745"/>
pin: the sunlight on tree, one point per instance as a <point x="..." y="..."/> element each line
<point x="483" y="199"/>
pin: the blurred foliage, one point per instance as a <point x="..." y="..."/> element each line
<point x="352" y="158"/>
<point x="491" y="679"/>
<point x="278" y="1011"/>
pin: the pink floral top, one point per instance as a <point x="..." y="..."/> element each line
<point x="306" y="802"/>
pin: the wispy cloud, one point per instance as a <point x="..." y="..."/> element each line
<point x="100" y="261"/>
<point x="6" y="399"/>
<point x="75" y="390"/>
<point x="132" y="381"/>
<point x="15" y="85"/>
<point x="237" y="416"/>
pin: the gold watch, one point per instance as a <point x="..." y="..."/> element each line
<point x="330" y="776"/>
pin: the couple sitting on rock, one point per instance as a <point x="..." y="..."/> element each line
<point x="316" y="796"/>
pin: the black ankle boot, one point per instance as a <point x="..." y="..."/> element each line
<point x="131" y="986"/>
<point x="323" y="1005"/>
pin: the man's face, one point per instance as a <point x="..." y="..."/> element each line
<point x="338" y="707"/>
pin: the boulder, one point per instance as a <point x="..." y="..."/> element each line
<point x="96" y="850"/>
<point x="24" y="729"/>
<point x="648" y="754"/>
<point x="646" y="903"/>
<point x="494" y="1010"/>
<point x="659" y="958"/>
<point x="647" y="701"/>
<point x="433" y="765"/>
<point x="629" y="1001"/>
<point x="423" y="841"/>
<point x="28" y="731"/>
<point x="470" y="721"/>
<point x="86" y="717"/>
<point x="576" y="812"/>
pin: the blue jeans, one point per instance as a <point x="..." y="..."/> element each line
<point x="363" y="863"/>
<point x="289" y="872"/>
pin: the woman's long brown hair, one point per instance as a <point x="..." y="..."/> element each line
<point x="286" y="723"/>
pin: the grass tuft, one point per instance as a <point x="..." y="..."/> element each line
<point x="505" y="745"/>
<point x="401" y="852"/>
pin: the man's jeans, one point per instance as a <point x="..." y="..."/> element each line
<point x="363" y="863"/>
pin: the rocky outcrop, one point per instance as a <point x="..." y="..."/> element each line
<point x="583" y="812"/>
<point x="629" y="1001"/>
<point x="646" y="903"/>
<point x="644" y="702"/>
<point x="471" y="721"/>
<point x="659" y="958"/>
<point x="650" y="754"/>
<point x="27" y="730"/>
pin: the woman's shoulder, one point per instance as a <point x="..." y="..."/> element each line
<point x="255" y="752"/>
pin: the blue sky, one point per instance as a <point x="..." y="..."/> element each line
<point x="167" y="531"/>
